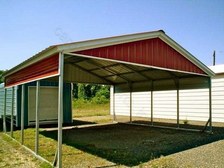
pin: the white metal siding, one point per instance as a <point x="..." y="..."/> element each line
<point x="2" y="95"/>
<point x="8" y="101"/>
<point x="165" y="104"/>
<point x="194" y="103"/>
<point x="141" y="107"/>
<point x="122" y="102"/>
<point x="48" y="104"/>
<point x="218" y="98"/>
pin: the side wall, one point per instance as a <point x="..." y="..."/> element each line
<point x="67" y="101"/>
<point x="8" y="101"/>
<point x="194" y="103"/>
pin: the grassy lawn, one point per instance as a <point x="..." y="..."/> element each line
<point x="83" y="108"/>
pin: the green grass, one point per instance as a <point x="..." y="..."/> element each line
<point x="13" y="155"/>
<point x="85" y="108"/>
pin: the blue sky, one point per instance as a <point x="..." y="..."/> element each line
<point x="29" y="26"/>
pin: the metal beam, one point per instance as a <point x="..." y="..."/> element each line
<point x="37" y="117"/>
<point x="60" y="109"/>
<point x="130" y="89"/>
<point x="109" y="70"/>
<point x="138" y="72"/>
<point x="152" y="102"/>
<point x="107" y="66"/>
<point x="178" y="105"/>
<point x="12" y="111"/>
<point x="4" y="114"/>
<point x="22" y="113"/>
<point x="112" y="89"/>
<point x="132" y="72"/>
<point x="87" y="71"/>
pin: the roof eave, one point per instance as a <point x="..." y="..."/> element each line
<point x="39" y="56"/>
<point x="84" y="45"/>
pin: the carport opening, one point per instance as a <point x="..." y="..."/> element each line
<point x="90" y="104"/>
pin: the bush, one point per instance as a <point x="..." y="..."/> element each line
<point x="101" y="99"/>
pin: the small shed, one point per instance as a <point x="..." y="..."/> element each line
<point x="48" y="103"/>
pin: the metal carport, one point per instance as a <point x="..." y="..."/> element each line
<point x="147" y="61"/>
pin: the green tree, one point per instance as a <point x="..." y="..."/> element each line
<point x="89" y="91"/>
<point x="1" y="78"/>
<point x="75" y="90"/>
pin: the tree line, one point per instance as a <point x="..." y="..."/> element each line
<point x="92" y="92"/>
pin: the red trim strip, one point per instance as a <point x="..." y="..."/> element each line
<point x="41" y="69"/>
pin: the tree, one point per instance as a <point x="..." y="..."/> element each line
<point x="89" y="91"/>
<point x="1" y="78"/>
<point x="75" y="90"/>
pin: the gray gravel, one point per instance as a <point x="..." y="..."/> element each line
<point x="206" y="156"/>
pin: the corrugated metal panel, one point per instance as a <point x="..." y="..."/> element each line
<point x="141" y="106"/>
<point x="2" y="95"/>
<point x="153" y="52"/>
<point x="165" y="104"/>
<point x="67" y="115"/>
<point x="75" y="74"/>
<point x="41" y="69"/>
<point x="193" y="103"/>
<point x="8" y="101"/>
<point x="122" y="102"/>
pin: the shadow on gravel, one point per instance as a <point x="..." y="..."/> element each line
<point x="132" y="145"/>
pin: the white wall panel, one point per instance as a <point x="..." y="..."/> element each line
<point x="194" y="103"/>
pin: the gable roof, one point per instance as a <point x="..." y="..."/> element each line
<point x="103" y="42"/>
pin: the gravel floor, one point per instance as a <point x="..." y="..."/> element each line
<point x="206" y="156"/>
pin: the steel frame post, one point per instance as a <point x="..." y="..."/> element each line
<point x="37" y="117"/>
<point x="12" y="111"/>
<point x="112" y="89"/>
<point x="210" y="104"/>
<point x="130" y="89"/>
<point x="152" y="103"/>
<point x="178" y="105"/>
<point x="4" y="114"/>
<point x="60" y="108"/>
<point x="22" y="113"/>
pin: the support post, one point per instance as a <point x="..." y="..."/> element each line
<point x="210" y="104"/>
<point x="178" y="105"/>
<point x="130" y="89"/>
<point x="12" y="111"/>
<point x="22" y="114"/>
<point x="112" y="90"/>
<point x="60" y="108"/>
<point x="37" y="117"/>
<point x="152" y="103"/>
<point x="4" y="114"/>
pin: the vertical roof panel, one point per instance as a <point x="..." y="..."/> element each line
<point x="41" y="69"/>
<point x="152" y="52"/>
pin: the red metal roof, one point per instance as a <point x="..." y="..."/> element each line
<point x="150" y="49"/>
<point x="152" y="52"/>
<point x="42" y="69"/>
